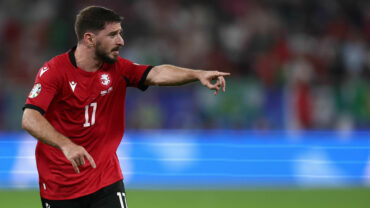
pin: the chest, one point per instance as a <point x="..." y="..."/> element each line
<point x="81" y="89"/>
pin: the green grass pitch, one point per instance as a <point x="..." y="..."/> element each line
<point x="283" y="198"/>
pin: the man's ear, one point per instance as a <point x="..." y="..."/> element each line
<point x="90" y="39"/>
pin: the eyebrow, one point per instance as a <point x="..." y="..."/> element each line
<point x="115" y="32"/>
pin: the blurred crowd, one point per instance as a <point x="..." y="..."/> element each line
<point x="295" y="64"/>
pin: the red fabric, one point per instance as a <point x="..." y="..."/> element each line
<point x="72" y="114"/>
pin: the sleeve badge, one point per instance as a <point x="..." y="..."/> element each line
<point x="35" y="91"/>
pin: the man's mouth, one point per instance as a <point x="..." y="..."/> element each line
<point x="115" y="51"/>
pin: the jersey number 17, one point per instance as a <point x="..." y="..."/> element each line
<point x="87" y="117"/>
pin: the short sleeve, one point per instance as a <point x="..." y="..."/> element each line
<point x="44" y="89"/>
<point x="134" y="74"/>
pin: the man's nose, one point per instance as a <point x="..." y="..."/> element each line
<point x="120" y="41"/>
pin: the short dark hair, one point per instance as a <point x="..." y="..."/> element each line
<point x="94" y="18"/>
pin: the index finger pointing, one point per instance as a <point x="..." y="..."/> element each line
<point x="223" y="74"/>
<point x="91" y="160"/>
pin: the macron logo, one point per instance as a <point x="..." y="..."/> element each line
<point x="73" y="85"/>
<point x="43" y="70"/>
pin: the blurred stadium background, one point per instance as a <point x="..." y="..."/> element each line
<point x="292" y="130"/>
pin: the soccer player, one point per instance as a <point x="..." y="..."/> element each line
<point x="76" y="111"/>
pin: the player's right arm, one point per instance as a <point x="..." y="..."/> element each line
<point x="40" y="128"/>
<point x="47" y="85"/>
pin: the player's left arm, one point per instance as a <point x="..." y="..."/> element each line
<point x="169" y="75"/>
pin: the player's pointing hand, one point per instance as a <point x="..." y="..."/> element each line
<point x="206" y="78"/>
<point x="76" y="154"/>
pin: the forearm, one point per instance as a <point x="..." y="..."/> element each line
<point x="40" y="128"/>
<point x="169" y="75"/>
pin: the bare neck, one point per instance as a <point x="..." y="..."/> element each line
<point x="86" y="59"/>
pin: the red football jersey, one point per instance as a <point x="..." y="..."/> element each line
<point x="88" y="108"/>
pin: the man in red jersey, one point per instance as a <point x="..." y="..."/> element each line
<point x="76" y="111"/>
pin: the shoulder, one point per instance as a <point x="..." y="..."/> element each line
<point x="124" y="65"/>
<point x="53" y="69"/>
<point x="124" y="62"/>
<point x="61" y="60"/>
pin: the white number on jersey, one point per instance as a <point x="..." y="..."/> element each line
<point x="87" y="123"/>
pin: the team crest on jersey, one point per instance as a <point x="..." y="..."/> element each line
<point x="35" y="91"/>
<point x="105" y="79"/>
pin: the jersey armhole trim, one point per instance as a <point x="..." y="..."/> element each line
<point x="141" y="84"/>
<point x="34" y="107"/>
<point x="127" y="80"/>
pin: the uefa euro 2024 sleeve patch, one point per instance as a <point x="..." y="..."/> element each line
<point x="35" y="91"/>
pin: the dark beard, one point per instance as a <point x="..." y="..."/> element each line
<point x="104" y="56"/>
